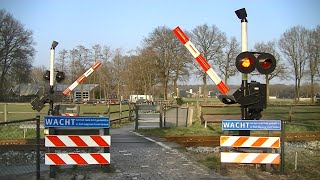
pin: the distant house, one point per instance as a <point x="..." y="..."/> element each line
<point x="24" y="92"/>
<point x="81" y="93"/>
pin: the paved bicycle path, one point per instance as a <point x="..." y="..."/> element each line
<point x="134" y="156"/>
<point x="138" y="157"/>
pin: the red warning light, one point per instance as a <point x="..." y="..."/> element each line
<point x="266" y="63"/>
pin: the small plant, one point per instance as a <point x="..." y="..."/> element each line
<point x="179" y="101"/>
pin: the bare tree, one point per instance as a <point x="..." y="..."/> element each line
<point x="181" y="65"/>
<point x="140" y="74"/>
<point x="37" y="74"/>
<point x="280" y="71"/>
<point x="313" y="51"/>
<point x="105" y="76"/>
<point x="62" y="64"/>
<point x="118" y="66"/>
<point x="16" y="52"/>
<point x="226" y="63"/>
<point x="210" y="41"/>
<point x="162" y="41"/>
<point x="293" y="44"/>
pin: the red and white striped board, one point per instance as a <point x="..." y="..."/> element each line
<point x="82" y="78"/>
<point x="68" y="114"/>
<point x="76" y="158"/>
<point x="201" y="60"/>
<point x="77" y="141"/>
<point x="249" y="141"/>
<point x="250" y="158"/>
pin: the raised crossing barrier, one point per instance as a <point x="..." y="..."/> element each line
<point x="82" y="78"/>
<point x="201" y="60"/>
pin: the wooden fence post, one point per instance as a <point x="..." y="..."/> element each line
<point x="108" y="109"/>
<point x="130" y="112"/>
<point x="290" y="114"/>
<point x="136" y="119"/>
<point x="120" y="112"/>
<point x="5" y="112"/>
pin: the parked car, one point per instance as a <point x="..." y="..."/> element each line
<point x="125" y="101"/>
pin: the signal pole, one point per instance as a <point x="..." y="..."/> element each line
<point x="242" y="15"/>
<point x="53" y="46"/>
<point x="52" y="169"/>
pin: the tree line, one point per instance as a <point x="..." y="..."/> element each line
<point x="161" y="62"/>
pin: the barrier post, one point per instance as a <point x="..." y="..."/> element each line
<point x="105" y="131"/>
<point x="38" y="146"/>
<point x="282" y="146"/>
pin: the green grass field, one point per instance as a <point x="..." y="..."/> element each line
<point x="18" y="111"/>
<point x="306" y="118"/>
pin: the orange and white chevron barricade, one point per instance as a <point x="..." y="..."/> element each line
<point x="250" y="142"/>
<point x="76" y="158"/>
<point x="250" y="158"/>
<point x="77" y="141"/>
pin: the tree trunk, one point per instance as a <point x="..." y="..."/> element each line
<point x="175" y="86"/>
<point x="298" y="89"/>
<point x="204" y="78"/>
<point x="312" y="89"/>
<point x="164" y="85"/>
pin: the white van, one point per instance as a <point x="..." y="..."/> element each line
<point x="140" y="98"/>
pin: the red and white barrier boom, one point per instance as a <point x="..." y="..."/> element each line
<point x="82" y="78"/>
<point x="201" y="60"/>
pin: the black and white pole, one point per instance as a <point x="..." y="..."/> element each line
<point x="52" y="169"/>
<point x="242" y="15"/>
<point x="53" y="46"/>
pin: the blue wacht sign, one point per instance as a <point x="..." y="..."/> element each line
<point x="274" y="125"/>
<point x="76" y="122"/>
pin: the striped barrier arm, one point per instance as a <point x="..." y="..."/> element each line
<point x="201" y="60"/>
<point x="81" y="78"/>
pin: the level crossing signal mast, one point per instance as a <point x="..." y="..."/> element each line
<point x="256" y="97"/>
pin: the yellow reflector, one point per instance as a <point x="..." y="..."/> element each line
<point x="245" y="62"/>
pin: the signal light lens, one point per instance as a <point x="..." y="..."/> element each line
<point x="46" y="75"/>
<point x="245" y="62"/>
<point x="60" y="76"/>
<point x="266" y="63"/>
